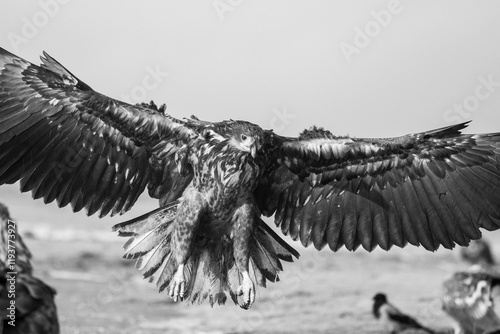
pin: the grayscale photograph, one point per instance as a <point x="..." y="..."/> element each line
<point x="236" y="166"/>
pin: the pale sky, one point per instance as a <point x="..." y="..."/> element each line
<point x="280" y="64"/>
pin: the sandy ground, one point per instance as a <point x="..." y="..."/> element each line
<point x="323" y="292"/>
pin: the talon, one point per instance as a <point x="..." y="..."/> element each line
<point x="247" y="291"/>
<point x="178" y="285"/>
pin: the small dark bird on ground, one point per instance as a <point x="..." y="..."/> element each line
<point x="34" y="310"/>
<point x="472" y="299"/>
<point x="478" y="252"/>
<point x="394" y="320"/>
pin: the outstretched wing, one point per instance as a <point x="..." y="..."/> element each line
<point x="432" y="188"/>
<point x="68" y="143"/>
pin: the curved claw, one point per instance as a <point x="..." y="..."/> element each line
<point x="247" y="291"/>
<point x="178" y="285"/>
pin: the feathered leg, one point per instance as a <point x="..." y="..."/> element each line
<point x="187" y="221"/>
<point x="242" y="234"/>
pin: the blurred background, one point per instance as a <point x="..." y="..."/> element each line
<point x="364" y="68"/>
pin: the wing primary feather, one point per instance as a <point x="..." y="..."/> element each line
<point x="280" y="209"/>
<point x="393" y="218"/>
<point x="320" y="215"/>
<point x="106" y="183"/>
<point x="417" y="217"/>
<point x="350" y="221"/>
<point x="295" y="221"/>
<point x="438" y="217"/>
<point x="306" y="222"/>
<point x="401" y="207"/>
<point x="364" y="226"/>
<point x="379" y="216"/>
<point x="287" y="216"/>
<point x="332" y="219"/>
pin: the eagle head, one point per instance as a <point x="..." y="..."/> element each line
<point x="246" y="137"/>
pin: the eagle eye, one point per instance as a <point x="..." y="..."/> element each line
<point x="243" y="137"/>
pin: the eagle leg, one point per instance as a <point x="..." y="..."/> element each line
<point x="247" y="290"/>
<point x="178" y="284"/>
<point x="187" y="221"/>
<point x="242" y="231"/>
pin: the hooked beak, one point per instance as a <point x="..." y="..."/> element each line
<point x="253" y="150"/>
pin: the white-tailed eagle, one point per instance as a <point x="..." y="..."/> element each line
<point x="214" y="180"/>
